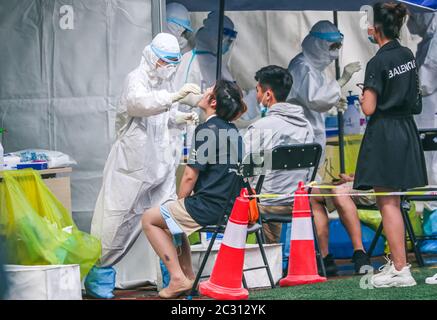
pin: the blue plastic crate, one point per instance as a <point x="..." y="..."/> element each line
<point x="340" y="245"/>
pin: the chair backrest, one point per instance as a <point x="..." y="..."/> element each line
<point x="429" y="139"/>
<point x="236" y="184"/>
<point x="287" y="157"/>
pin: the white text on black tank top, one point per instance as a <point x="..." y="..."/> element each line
<point x="398" y="70"/>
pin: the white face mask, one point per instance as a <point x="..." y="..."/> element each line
<point x="183" y="42"/>
<point x="334" y="54"/>
<point x="178" y="31"/>
<point x="165" y="72"/>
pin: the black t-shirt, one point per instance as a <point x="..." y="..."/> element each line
<point x="392" y="74"/>
<point x="216" y="152"/>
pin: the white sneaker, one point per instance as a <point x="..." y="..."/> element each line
<point x="431" y="280"/>
<point x="384" y="268"/>
<point x="393" y="278"/>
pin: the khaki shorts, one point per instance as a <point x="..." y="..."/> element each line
<point x="181" y="216"/>
<point x="348" y="188"/>
<point x="272" y="230"/>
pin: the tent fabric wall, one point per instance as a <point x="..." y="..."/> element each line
<point x="59" y="87"/>
<point x="274" y="37"/>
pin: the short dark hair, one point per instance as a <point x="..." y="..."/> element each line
<point x="389" y="17"/>
<point x="276" y="78"/>
<point x="229" y="97"/>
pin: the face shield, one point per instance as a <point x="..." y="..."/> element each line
<point x="186" y="24"/>
<point x="328" y="36"/>
<point x="169" y="57"/>
<point x="335" y="40"/>
<point x="167" y="62"/>
<point x="229" y="37"/>
<point x="181" y="29"/>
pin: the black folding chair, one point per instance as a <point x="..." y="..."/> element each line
<point x="219" y="228"/>
<point x="428" y="138"/>
<point x="291" y="157"/>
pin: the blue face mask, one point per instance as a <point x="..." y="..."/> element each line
<point x="263" y="109"/>
<point x="372" y="39"/>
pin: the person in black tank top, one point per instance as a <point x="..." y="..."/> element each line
<point x="391" y="156"/>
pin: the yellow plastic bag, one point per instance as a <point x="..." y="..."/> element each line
<point x="37" y="227"/>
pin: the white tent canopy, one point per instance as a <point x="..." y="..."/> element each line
<point x="293" y="5"/>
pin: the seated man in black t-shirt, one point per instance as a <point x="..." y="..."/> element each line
<point x="208" y="184"/>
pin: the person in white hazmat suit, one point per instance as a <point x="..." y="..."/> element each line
<point x="425" y="26"/>
<point x="199" y="66"/>
<point x="311" y="88"/>
<point x="179" y="24"/>
<point x="139" y="172"/>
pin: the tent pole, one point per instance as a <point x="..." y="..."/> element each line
<point x="158" y="16"/>
<point x="220" y="40"/>
<point x="340" y="114"/>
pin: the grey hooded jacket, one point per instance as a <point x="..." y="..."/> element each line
<point x="285" y="124"/>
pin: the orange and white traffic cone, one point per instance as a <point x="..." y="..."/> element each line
<point x="302" y="266"/>
<point x="227" y="274"/>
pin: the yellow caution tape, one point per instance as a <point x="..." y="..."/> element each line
<point x="376" y="194"/>
<point x="313" y="184"/>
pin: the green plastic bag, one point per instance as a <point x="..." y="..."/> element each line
<point x="37" y="227"/>
<point x="372" y="218"/>
<point x="194" y="238"/>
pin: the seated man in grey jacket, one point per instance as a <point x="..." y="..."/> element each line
<point x="283" y="124"/>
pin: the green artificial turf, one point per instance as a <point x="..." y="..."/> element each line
<point x="349" y="289"/>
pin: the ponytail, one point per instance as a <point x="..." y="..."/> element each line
<point x="389" y="17"/>
<point x="229" y="97"/>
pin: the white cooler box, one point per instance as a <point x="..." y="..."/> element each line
<point x="252" y="258"/>
<point x="141" y="266"/>
<point x="51" y="282"/>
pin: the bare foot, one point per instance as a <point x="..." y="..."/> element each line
<point x="176" y="288"/>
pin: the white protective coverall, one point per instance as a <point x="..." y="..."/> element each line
<point x="179" y="24"/>
<point x="139" y="172"/>
<point x="199" y="65"/>
<point x="311" y="88"/>
<point x="425" y="25"/>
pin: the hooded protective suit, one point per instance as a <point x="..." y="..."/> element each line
<point x="311" y="88"/>
<point x="199" y="66"/>
<point x="178" y="22"/>
<point x="425" y="25"/>
<point x="139" y="172"/>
